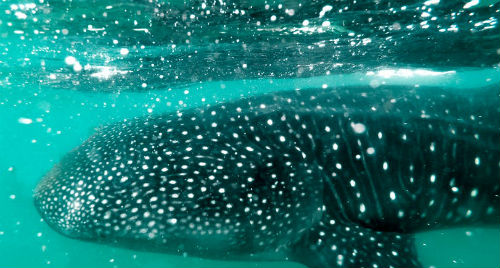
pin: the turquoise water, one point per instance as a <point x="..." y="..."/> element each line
<point x="68" y="67"/>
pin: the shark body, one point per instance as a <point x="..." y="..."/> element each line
<point x="335" y="177"/>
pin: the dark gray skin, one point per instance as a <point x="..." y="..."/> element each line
<point x="326" y="177"/>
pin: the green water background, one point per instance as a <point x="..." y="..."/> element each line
<point x="47" y="108"/>
<point x="62" y="119"/>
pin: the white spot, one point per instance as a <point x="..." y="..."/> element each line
<point x="471" y="4"/>
<point x="392" y="195"/>
<point x="431" y="2"/>
<point x="359" y="128"/>
<point x="20" y="15"/>
<point x="77" y="67"/>
<point x="473" y="193"/>
<point x="70" y="60"/>
<point x="172" y="221"/>
<point x="124" y="51"/>
<point x="468" y="213"/>
<point x="25" y="121"/>
<point x="401" y="214"/>
<point x="385" y="166"/>
<point x="353" y="183"/>
<point x="270" y="122"/>
<point x="340" y="259"/>
<point x="370" y="150"/>
<point x="107" y="215"/>
<point x="362" y="208"/>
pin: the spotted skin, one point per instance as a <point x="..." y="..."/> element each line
<point x="326" y="177"/>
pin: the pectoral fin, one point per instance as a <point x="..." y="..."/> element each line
<point x="340" y="244"/>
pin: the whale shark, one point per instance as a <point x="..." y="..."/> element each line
<point x="327" y="177"/>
